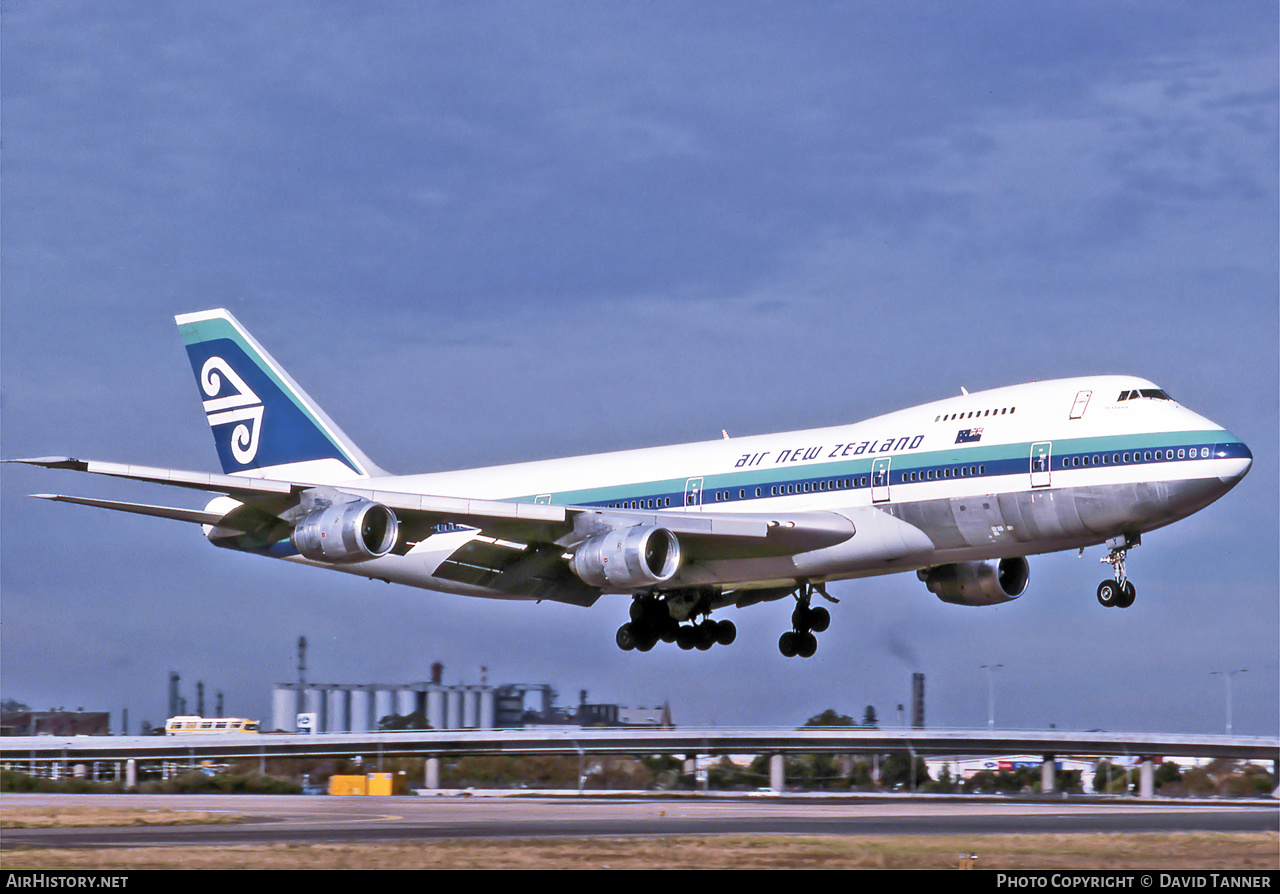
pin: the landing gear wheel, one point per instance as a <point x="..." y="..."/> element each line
<point x="787" y="645"/>
<point x="800" y="616"/>
<point x="686" y="638"/>
<point x="726" y="633"/>
<point x="807" y="645"/>
<point x="706" y="635"/>
<point x="1109" y="594"/>
<point x="626" y="638"/>
<point x="1127" y="594"/>
<point x="819" y="619"/>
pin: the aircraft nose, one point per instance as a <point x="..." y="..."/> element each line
<point x="1239" y="458"/>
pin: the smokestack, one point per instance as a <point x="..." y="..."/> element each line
<point x="917" y="701"/>
<point x="174" y="698"/>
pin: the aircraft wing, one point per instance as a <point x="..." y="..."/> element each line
<point x="705" y="534"/>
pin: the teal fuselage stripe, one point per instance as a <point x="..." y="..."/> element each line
<point x="959" y="462"/>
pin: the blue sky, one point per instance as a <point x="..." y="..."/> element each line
<point x="482" y="233"/>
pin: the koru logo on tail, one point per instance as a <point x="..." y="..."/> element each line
<point x="239" y="405"/>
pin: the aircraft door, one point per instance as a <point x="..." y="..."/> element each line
<point x="1041" y="459"/>
<point x="693" y="492"/>
<point x="1081" y="404"/>
<point x="880" y="480"/>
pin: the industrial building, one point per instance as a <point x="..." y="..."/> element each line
<point x="55" y="723"/>
<point x="368" y="707"/>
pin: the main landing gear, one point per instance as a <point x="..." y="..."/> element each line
<point x="654" y="619"/>
<point x="1119" y="592"/>
<point x="805" y="621"/>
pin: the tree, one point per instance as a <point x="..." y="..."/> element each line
<point x="829" y="717"/>
<point x="1167" y="774"/>
<point x="945" y="780"/>
<point x="896" y="770"/>
<point x="1110" y="779"/>
<point x="403" y="721"/>
<point x="869" y="717"/>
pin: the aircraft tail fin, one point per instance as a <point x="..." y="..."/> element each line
<point x="261" y="418"/>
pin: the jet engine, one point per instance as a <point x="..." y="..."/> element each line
<point x="978" y="583"/>
<point x="346" y="532"/>
<point x="627" y="558"/>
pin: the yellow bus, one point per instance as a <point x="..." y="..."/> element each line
<point x="190" y="725"/>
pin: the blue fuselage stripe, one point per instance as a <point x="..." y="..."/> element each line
<point x="905" y="469"/>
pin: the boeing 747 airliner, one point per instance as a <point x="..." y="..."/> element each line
<point x="959" y="491"/>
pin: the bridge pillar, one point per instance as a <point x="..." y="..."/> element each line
<point x="777" y="778"/>
<point x="1048" y="775"/>
<point x="432" y="773"/>
<point x="131" y="773"/>
<point x="1146" y="778"/>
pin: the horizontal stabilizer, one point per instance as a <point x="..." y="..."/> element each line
<point x="198" y="516"/>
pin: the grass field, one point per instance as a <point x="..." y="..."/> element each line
<point x="1204" y="851"/>
<point x="1249" y="852"/>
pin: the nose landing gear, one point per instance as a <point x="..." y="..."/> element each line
<point x="1120" y="592"/>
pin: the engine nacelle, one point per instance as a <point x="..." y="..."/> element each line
<point x="346" y="532"/>
<point x="627" y="558"/>
<point x="978" y="583"/>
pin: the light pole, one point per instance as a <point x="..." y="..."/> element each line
<point x="1227" y="676"/>
<point x="991" y="694"/>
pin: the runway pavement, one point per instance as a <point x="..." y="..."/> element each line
<point x="263" y="819"/>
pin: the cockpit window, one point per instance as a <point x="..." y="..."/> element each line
<point x="1153" y="393"/>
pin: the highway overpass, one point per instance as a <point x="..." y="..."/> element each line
<point x="34" y="752"/>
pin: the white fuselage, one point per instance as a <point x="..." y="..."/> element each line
<point x="1008" y="472"/>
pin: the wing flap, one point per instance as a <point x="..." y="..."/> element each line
<point x="535" y="571"/>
